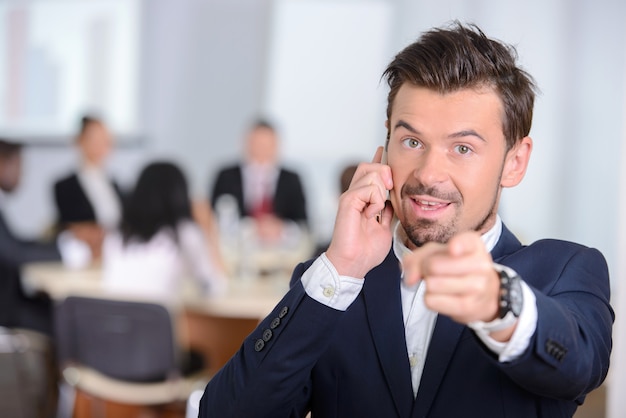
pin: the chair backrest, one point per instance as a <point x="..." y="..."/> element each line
<point x="126" y="340"/>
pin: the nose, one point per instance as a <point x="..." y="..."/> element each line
<point x="432" y="167"/>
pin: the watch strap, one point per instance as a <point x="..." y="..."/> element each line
<point x="497" y="324"/>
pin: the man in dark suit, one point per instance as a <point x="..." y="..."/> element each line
<point x="427" y="305"/>
<point x="264" y="191"/>
<point x="17" y="309"/>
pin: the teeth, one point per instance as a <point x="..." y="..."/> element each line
<point x="428" y="205"/>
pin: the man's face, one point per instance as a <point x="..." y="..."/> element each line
<point x="262" y="146"/>
<point x="447" y="154"/>
<point x="10" y="172"/>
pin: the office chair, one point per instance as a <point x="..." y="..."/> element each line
<point x="124" y="351"/>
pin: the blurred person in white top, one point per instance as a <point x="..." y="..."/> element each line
<point x="161" y="240"/>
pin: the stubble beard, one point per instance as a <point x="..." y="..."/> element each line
<point x="425" y="230"/>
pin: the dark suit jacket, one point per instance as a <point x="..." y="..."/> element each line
<point x="289" y="200"/>
<point x="13" y="253"/>
<point x="72" y="202"/>
<point x="355" y="363"/>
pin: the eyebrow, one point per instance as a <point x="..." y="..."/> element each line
<point x="405" y="125"/>
<point x="459" y="134"/>
<point x="466" y="132"/>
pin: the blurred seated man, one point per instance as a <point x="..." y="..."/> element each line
<point x="88" y="201"/>
<point x="265" y="191"/>
<point x="16" y="308"/>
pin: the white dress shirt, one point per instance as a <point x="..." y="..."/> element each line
<point x="259" y="183"/>
<point x="102" y="195"/>
<point x="322" y="282"/>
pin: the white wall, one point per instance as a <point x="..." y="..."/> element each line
<point x="616" y="402"/>
<point x="326" y="59"/>
<point x="204" y="75"/>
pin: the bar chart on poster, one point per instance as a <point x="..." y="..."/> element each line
<point x="60" y="59"/>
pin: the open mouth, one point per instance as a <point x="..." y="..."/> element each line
<point x="428" y="207"/>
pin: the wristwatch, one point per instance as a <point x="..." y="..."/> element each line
<point x="509" y="304"/>
<point x="511" y="298"/>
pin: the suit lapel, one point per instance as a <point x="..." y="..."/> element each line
<point x="384" y="312"/>
<point x="442" y="346"/>
<point x="446" y="337"/>
<point x="507" y="244"/>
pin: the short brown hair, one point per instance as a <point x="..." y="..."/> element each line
<point x="9" y="149"/>
<point x="459" y="57"/>
<point x="85" y="121"/>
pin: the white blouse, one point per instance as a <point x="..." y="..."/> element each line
<point x="157" y="268"/>
<point x="102" y="196"/>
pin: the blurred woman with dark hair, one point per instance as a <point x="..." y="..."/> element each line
<point x="161" y="240"/>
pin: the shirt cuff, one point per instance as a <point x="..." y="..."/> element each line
<point x="526" y="326"/>
<point x="322" y="283"/>
<point x="75" y="253"/>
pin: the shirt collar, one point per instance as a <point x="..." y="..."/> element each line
<point x="91" y="170"/>
<point x="255" y="169"/>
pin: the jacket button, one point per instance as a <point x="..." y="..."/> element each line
<point x="275" y="323"/>
<point x="259" y="344"/>
<point x="555" y="349"/>
<point x="283" y="312"/>
<point x="267" y="335"/>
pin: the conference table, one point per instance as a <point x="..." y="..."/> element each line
<point x="216" y="326"/>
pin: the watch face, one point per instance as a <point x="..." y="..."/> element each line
<point x="510" y="294"/>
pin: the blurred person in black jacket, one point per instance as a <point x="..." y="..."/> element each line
<point x="88" y="200"/>
<point x="17" y="309"/>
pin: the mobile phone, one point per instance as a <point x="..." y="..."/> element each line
<point x="383" y="160"/>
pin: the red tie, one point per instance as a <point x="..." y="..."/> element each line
<point x="264" y="205"/>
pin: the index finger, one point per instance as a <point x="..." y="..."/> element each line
<point x="465" y="243"/>
<point x="413" y="262"/>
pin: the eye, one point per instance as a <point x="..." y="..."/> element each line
<point x="412" y="143"/>
<point x="463" y="149"/>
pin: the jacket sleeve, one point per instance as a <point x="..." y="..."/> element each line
<point x="270" y="374"/>
<point x="15" y="251"/>
<point x="569" y="354"/>
<point x="63" y="200"/>
<point x="290" y="200"/>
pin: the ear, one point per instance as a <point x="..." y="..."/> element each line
<point x="388" y="133"/>
<point x="516" y="162"/>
